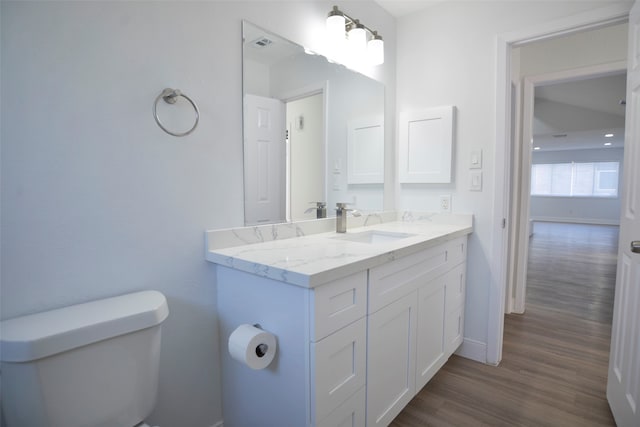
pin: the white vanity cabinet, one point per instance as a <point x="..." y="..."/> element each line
<point x="350" y="352"/>
<point x="415" y="324"/>
<point x="319" y="374"/>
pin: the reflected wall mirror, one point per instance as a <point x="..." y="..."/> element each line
<point x="313" y="132"/>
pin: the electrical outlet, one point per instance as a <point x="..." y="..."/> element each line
<point x="445" y="203"/>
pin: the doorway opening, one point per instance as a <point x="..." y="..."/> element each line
<point x="305" y="149"/>
<point x="569" y="254"/>
<point x="506" y="155"/>
<point x="573" y="122"/>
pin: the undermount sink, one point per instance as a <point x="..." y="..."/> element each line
<point x="373" y="236"/>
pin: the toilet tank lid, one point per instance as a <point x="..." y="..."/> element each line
<point x="31" y="337"/>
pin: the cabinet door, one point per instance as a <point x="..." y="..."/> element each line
<point x="454" y="308"/>
<point x="454" y="325"/>
<point x="391" y="365"/>
<point x="430" y="351"/>
<point x="426" y="145"/>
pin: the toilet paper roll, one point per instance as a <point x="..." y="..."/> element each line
<point x="252" y="346"/>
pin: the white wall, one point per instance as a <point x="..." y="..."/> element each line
<point x="592" y="210"/>
<point x="256" y="78"/>
<point x="447" y="56"/>
<point x="598" y="46"/>
<point x="96" y="199"/>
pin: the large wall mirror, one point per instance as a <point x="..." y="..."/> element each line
<point x="313" y="132"/>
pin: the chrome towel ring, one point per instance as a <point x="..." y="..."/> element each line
<point x="170" y="96"/>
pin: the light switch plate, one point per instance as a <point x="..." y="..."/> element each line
<point x="475" y="160"/>
<point x="475" y="180"/>
<point x="336" y="182"/>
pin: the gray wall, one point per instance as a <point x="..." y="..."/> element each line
<point x="96" y="199"/>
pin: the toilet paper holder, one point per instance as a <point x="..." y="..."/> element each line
<point x="261" y="349"/>
<point x="252" y="346"/>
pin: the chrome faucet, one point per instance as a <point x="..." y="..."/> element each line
<point x="341" y="217"/>
<point x="321" y="209"/>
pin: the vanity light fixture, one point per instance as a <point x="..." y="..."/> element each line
<point x="607" y="144"/>
<point x="536" y="148"/>
<point x="336" y="23"/>
<point x="357" y="37"/>
<point x="341" y="28"/>
<point x="608" y="135"/>
<point x="376" y="49"/>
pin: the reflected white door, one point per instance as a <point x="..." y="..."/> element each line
<point x="264" y="174"/>
<point x="623" y="386"/>
<point x="305" y="121"/>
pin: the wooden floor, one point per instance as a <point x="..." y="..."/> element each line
<point x="555" y="356"/>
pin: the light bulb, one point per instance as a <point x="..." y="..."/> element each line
<point x="358" y="38"/>
<point x="335" y="25"/>
<point x="375" y="50"/>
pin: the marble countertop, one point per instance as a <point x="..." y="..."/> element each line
<point x="312" y="260"/>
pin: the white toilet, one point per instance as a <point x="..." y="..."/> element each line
<point x="89" y="365"/>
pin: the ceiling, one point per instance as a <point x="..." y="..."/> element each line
<point x="400" y="8"/>
<point x="578" y="114"/>
<point x="601" y="94"/>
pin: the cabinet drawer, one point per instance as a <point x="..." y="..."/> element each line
<point x="455" y="281"/>
<point x="453" y="330"/>
<point x="337" y="304"/>
<point x="457" y="250"/>
<point x="350" y="414"/>
<point x="338" y="367"/>
<point x="398" y="278"/>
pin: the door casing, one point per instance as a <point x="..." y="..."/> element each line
<point x="592" y="19"/>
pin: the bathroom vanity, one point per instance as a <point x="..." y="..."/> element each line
<point x="363" y="320"/>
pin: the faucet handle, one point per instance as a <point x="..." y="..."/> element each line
<point x="319" y="204"/>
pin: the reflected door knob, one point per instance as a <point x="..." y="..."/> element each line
<point x="635" y="246"/>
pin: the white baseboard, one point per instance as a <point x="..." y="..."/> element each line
<point x="474" y="350"/>
<point x="594" y="221"/>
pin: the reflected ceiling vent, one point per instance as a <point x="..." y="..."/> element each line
<point x="261" y="42"/>
<point x="560" y="135"/>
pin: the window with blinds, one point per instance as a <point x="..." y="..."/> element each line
<point x="596" y="179"/>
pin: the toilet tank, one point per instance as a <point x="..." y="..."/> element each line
<point x="93" y="364"/>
